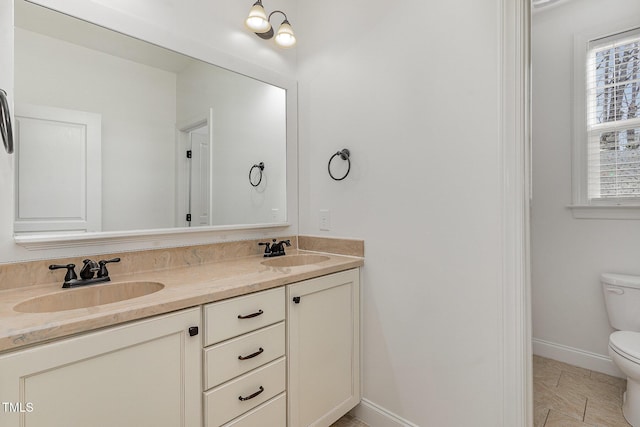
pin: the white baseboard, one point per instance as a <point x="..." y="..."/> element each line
<point x="574" y="356"/>
<point x="376" y="416"/>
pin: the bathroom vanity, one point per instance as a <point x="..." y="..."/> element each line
<point x="280" y="352"/>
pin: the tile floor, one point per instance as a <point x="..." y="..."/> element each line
<point x="564" y="396"/>
<point x="349" y="421"/>
<point x="568" y="396"/>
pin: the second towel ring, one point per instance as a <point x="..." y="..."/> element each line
<point x="260" y="167"/>
<point x="6" y="131"/>
<point x="344" y="155"/>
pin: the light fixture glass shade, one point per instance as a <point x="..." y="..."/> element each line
<point x="257" y="20"/>
<point x="285" y="37"/>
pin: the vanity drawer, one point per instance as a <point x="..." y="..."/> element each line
<point x="236" y="316"/>
<point x="272" y="413"/>
<point x="223" y="403"/>
<point x="222" y="361"/>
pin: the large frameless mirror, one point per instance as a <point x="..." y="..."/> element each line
<point x="116" y="134"/>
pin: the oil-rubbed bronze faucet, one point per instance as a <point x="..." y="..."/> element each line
<point x="89" y="268"/>
<point x="276" y="249"/>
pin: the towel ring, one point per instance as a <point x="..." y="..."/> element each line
<point x="344" y="155"/>
<point x="5" y="123"/>
<point x="260" y="167"/>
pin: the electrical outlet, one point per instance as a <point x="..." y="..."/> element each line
<point x="325" y="219"/>
<point x="275" y="215"/>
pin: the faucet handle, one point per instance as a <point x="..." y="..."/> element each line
<point x="103" y="272"/>
<point x="71" y="272"/>
<point x="267" y="249"/>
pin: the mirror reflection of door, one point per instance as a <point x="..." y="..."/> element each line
<point x="199" y="188"/>
<point x="194" y="174"/>
<point x="58" y="170"/>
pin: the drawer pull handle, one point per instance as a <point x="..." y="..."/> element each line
<point x="249" y="316"/>
<point x="251" y="356"/>
<point x="253" y="395"/>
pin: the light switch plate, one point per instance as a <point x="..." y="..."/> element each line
<point x="325" y="219"/>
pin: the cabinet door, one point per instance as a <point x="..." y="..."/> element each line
<point x="324" y="348"/>
<point x="145" y="373"/>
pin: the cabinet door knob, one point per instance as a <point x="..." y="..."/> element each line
<point x="296" y="300"/>
<point x="193" y="331"/>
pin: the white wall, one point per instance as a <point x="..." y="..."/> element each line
<point x="211" y="30"/>
<point x="249" y="127"/>
<point x="568" y="255"/>
<point x="138" y="108"/>
<point x="412" y="90"/>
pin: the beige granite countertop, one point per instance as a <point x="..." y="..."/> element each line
<point x="184" y="287"/>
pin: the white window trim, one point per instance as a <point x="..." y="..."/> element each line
<point x="581" y="207"/>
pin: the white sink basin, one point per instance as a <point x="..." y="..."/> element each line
<point x="90" y="296"/>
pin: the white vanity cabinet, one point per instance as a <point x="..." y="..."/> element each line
<point x="323" y="330"/>
<point x="244" y="361"/>
<point x="144" y="373"/>
<point x="288" y="356"/>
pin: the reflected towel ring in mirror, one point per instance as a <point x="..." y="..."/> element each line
<point x="260" y="167"/>
<point x="5" y="123"/>
<point x="344" y="155"/>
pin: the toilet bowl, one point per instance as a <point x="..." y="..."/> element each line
<point x="622" y="299"/>
<point x="624" y="349"/>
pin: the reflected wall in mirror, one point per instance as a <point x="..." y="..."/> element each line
<point x="116" y="134"/>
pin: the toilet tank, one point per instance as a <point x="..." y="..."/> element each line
<point x="622" y="299"/>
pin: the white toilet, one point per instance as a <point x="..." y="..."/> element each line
<point x="622" y="298"/>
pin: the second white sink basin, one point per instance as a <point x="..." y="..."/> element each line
<point x="295" y="260"/>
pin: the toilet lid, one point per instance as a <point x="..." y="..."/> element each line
<point x="626" y="343"/>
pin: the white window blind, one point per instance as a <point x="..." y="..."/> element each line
<point x="613" y="117"/>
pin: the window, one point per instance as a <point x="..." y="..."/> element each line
<point x="613" y="117"/>
<point x="607" y="128"/>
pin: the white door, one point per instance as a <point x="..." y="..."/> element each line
<point x="58" y="170"/>
<point x="200" y="188"/>
<point x="194" y="160"/>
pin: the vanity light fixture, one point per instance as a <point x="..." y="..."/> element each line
<point x="260" y="24"/>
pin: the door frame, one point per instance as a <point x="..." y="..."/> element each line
<point x="515" y="114"/>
